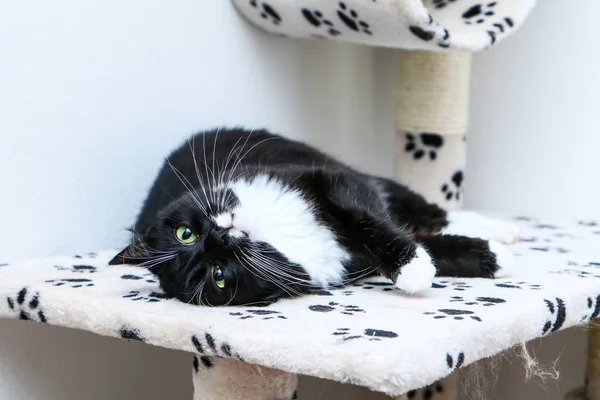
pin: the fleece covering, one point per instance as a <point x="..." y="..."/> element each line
<point x="466" y="25"/>
<point x="367" y="333"/>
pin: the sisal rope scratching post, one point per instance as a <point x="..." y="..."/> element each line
<point x="229" y="379"/>
<point x="431" y="123"/>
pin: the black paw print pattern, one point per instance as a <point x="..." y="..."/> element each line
<point x="146" y="277"/>
<point x="452" y="189"/>
<point x="206" y="362"/>
<point x="558" y="315"/>
<point x="518" y="285"/>
<point x="384" y="286"/>
<point x="316" y="19"/>
<point x="262" y="314"/>
<point x="426" y="144"/>
<point x="455" y="362"/>
<point x="478" y="13"/>
<point x="456" y="285"/>
<point x="71" y="282"/>
<point x="26" y="305"/>
<point x="453" y="313"/>
<point x="351" y="19"/>
<point x="88" y="255"/>
<point x="129" y="333"/>
<point x="79" y="269"/>
<point x="442" y="3"/>
<point x="427" y="33"/>
<point x="208" y="345"/>
<point x="428" y="391"/>
<point x="346" y="334"/>
<point x="593" y="309"/>
<point x="346" y="309"/>
<point x="152" y="297"/>
<point x="266" y="11"/>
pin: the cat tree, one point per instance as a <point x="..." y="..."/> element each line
<point x="357" y="334"/>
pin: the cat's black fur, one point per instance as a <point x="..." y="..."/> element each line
<point x="378" y="222"/>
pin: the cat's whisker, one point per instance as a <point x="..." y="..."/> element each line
<point x="189" y="188"/>
<point x="267" y="266"/>
<point x="252" y="148"/>
<point x="198" y="175"/>
<point x="222" y="182"/>
<point x="213" y="165"/>
<point x="237" y="159"/>
<point x="206" y="169"/>
<point x="236" y="289"/>
<point x="273" y="279"/>
<point x="272" y="273"/>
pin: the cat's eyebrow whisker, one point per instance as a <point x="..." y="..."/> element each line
<point x="237" y="157"/>
<point x="224" y="169"/>
<point x="212" y="195"/>
<point x="213" y="164"/>
<point x="189" y="188"/>
<point x="198" y="174"/>
<point x="252" y="148"/>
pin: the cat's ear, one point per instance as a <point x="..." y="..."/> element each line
<point x="138" y="252"/>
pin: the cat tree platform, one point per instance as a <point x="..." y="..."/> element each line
<point x="367" y="334"/>
<point x="437" y="25"/>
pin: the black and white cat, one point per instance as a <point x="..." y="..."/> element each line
<point x="239" y="217"/>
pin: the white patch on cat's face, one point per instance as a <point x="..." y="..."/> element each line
<point x="225" y="220"/>
<point x="270" y="212"/>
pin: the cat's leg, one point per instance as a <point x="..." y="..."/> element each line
<point x="412" y="211"/>
<point x="373" y="240"/>
<point x="377" y="242"/>
<point x="475" y="225"/>
<point x="460" y="256"/>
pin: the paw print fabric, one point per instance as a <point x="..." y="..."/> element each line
<point x="433" y="164"/>
<point x="431" y="25"/>
<point x="319" y="334"/>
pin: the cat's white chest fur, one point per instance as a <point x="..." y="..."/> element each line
<point x="270" y="212"/>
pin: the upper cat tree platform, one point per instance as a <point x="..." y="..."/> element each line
<point x="469" y="25"/>
<point x="367" y="334"/>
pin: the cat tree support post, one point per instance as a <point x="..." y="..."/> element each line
<point x="229" y="379"/>
<point x="431" y="123"/>
<point x="592" y="390"/>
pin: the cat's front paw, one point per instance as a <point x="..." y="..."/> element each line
<point x="418" y="274"/>
<point x="474" y="225"/>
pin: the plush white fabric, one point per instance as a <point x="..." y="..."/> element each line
<point x="367" y="334"/>
<point x="413" y="24"/>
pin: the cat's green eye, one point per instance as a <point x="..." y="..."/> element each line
<point x="185" y="235"/>
<point x="218" y="277"/>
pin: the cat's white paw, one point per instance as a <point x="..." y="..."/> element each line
<point x="472" y="224"/>
<point x="505" y="259"/>
<point x="418" y="274"/>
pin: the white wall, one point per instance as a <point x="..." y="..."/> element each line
<point x="536" y="116"/>
<point x="92" y="96"/>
